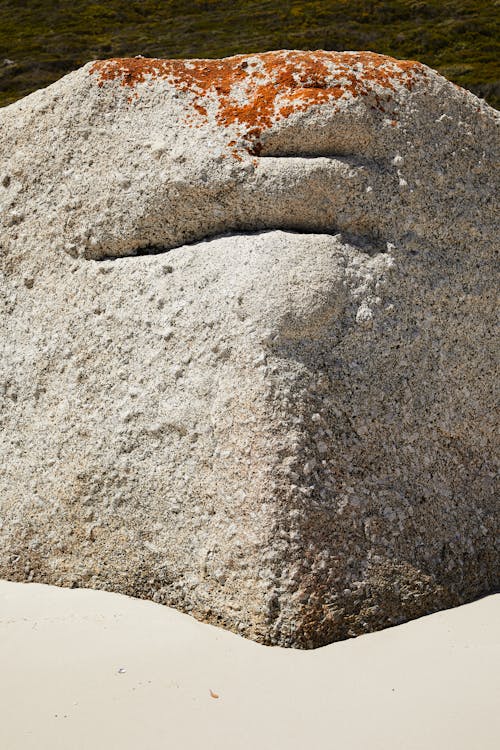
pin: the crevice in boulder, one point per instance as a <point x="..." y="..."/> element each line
<point x="365" y="244"/>
<point x="349" y="160"/>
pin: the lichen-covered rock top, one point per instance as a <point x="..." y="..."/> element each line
<point x="185" y="150"/>
<point x="254" y="92"/>
<point x="287" y="426"/>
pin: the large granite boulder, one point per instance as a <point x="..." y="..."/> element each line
<point x="287" y="425"/>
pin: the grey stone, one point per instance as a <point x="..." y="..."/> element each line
<point x="286" y="427"/>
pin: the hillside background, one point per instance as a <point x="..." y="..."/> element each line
<point x="41" y="40"/>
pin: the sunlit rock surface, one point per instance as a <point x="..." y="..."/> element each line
<point x="248" y="363"/>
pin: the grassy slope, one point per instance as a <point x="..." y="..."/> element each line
<point x="47" y="38"/>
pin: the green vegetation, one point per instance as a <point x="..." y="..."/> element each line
<point x="41" y="40"/>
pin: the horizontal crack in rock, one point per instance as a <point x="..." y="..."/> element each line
<point x="368" y="245"/>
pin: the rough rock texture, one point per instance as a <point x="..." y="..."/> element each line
<point x="287" y="426"/>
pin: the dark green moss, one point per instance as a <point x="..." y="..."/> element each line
<point x="45" y="39"/>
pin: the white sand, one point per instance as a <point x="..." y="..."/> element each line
<point x="90" y="670"/>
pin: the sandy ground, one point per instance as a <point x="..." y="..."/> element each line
<point x="89" y="670"/>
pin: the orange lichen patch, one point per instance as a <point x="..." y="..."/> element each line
<point x="251" y="92"/>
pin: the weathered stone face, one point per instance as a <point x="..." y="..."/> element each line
<point x="288" y="430"/>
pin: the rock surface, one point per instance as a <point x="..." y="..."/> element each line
<point x="287" y="426"/>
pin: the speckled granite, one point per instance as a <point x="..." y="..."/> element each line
<point x="286" y="427"/>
